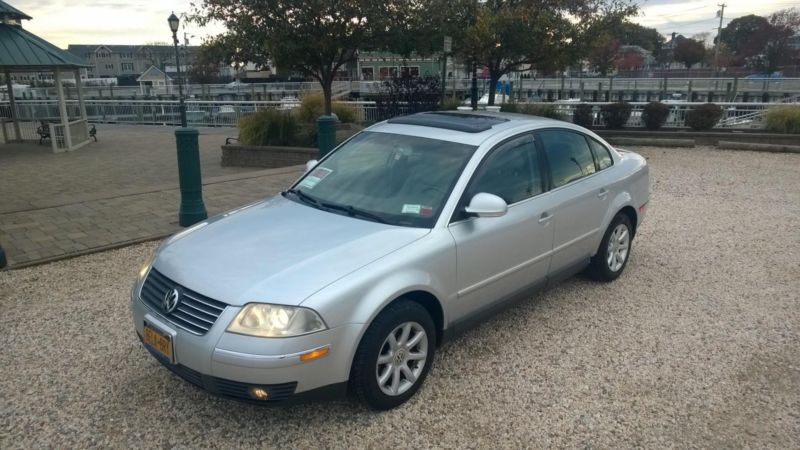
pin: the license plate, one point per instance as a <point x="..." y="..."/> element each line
<point x="158" y="341"/>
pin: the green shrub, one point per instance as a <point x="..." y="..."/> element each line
<point x="450" y="104"/>
<point x="583" y="115"/>
<point x="654" y="115"/>
<point x="616" y="115"/>
<point x="312" y="105"/>
<point x="345" y="113"/>
<point x="703" y="117"/>
<point x="268" y="127"/>
<point x="532" y="109"/>
<point x="783" y="119"/>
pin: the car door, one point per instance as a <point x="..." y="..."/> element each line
<point x="582" y="197"/>
<point x="499" y="256"/>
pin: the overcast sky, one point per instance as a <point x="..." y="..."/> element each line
<point x="64" y="22"/>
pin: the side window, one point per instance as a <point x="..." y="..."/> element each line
<point x="568" y="155"/>
<point x="511" y="172"/>
<point x="601" y="154"/>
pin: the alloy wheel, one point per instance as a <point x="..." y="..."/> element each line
<point x="402" y="358"/>
<point x="618" y="245"/>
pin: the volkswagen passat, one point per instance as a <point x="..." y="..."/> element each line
<point x="404" y="235"/>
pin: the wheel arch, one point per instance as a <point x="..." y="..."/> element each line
<point x="424" y="298"/>
<point x="431" y="304"/>
<point x="629" y="211"/>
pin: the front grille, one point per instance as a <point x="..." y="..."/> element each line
<point x="195" y="313"/>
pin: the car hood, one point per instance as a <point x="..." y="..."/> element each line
<point x="275" y="251"/>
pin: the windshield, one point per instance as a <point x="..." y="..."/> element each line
<point x="389" y="178"/>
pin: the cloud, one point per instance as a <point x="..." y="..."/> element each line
<point x="690" y="17"/>
<point x="65" y="22"/>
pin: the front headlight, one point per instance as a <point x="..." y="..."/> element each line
<point x="146" y="266"/>
<point x="265" y="320"/>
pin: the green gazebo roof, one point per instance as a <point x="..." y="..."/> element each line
<point x="21" y="50"/>
<point x="7" y="10"/>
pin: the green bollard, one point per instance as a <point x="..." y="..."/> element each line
<point x="192" y="209"/>
<point x="326" y="134"/>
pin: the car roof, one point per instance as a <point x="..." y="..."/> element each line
<point x="466" y="127"/>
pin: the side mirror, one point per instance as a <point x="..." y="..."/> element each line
<point x="310" y="165"/>
<point x="487" y="205"/>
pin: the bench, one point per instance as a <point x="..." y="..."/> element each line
<point x="43" y="131"/>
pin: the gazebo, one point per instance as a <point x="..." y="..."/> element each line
<point x="22" y="51"/>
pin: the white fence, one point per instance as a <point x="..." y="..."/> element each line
<point x="227" y="113"/>
<point x="160" y="112"/>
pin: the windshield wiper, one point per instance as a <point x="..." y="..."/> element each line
<point x="352" y="211"/>
<point x="305" y="197"/>
<point x="349" y="209"/>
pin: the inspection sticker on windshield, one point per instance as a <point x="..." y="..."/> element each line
<point x="410" y="209"/>
<point x="424" y="211"/>
<point x="315" y="177"/>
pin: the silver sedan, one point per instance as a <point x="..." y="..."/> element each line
<point x="403" y="236"/>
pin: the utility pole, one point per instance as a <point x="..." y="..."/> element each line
<point x="447" y="48"/>
<point x="720" y="13"/>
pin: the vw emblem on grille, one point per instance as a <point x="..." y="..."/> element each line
<point x="171" y="300"/>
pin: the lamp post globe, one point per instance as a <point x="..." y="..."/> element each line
<point x="174" y="22"/>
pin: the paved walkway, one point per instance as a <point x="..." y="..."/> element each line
<point x="119" y="190"/>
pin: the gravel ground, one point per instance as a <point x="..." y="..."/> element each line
<point x="696" y="345"/>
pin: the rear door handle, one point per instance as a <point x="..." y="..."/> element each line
<point x="545" y="217"/>
<point x="603" y="193"/>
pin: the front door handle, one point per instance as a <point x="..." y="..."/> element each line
<point x="603" y="193"/>
<point x="545" y="217"/>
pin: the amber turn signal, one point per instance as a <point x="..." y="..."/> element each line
<point x="314" y="354"/>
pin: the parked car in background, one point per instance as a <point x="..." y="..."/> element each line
<point x="406" y="234"/>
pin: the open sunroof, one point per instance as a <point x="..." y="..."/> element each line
<point x="468" y="123"/>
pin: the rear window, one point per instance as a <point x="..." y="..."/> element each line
<point x="568" y="154"/>
<point x="601" y="154"/>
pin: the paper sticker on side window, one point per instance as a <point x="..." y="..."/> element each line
<point x="315" y="177"/>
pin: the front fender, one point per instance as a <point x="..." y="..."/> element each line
<point x="427" y="265"/>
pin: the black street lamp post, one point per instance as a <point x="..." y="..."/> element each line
<point x="192" y="209"/>
<point x="473" y="92"/>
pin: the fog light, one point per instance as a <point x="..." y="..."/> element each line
<point x="259" y="393"/>
<point x="314" y="354"/>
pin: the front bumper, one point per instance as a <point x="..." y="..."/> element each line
<point x="231" y="365"/>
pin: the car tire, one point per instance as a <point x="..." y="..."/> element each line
<point x="615" y="250"/>
<point x="404" y="320"/>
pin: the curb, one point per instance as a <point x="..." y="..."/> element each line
<point x="651" y="142"/>
<point x="773" y="148"/>
<point x="88" y="251"/>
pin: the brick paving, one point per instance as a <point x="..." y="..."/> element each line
<point x="121" y="189"/>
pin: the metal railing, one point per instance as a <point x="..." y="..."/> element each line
<point x="273" y="91"/>
<point x="227" y="113"/>
<point x="165" y="112"/>
<point x="727" y="86"/>
<point x="735" y="115"/>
